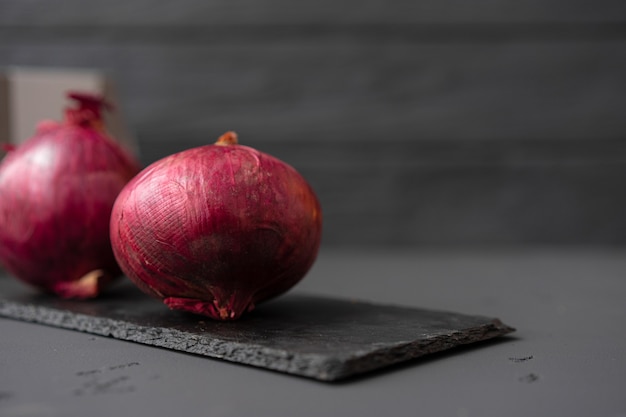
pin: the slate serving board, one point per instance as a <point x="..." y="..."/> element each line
<point x="312" y="336"/>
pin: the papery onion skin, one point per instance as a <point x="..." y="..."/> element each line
<point x="57" y="190"/>
<point x="217" y="229"/>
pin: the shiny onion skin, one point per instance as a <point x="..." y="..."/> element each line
<point x="217" y="229"/>
<point x="57" y="190"/>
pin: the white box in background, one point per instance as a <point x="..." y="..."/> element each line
<point x="28" y="95"/>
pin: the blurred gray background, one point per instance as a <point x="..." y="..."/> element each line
<point x="421" y="122"/>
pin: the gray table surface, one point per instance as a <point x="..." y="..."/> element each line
<point x="567" y="358"/>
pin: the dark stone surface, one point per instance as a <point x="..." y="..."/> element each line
<point x="317" y="337"/>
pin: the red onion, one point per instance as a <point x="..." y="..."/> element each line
<point x="217" y="229"/>
<point x="56" y="194"/>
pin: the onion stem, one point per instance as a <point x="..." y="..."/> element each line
<point x="228" y="138"/>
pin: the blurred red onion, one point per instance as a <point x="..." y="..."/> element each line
<point x="56" y="194"/>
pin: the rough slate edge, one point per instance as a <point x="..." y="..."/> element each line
<point x="318" y="366"/>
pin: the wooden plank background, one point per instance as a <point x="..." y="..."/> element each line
<point x="418" y="122"/>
